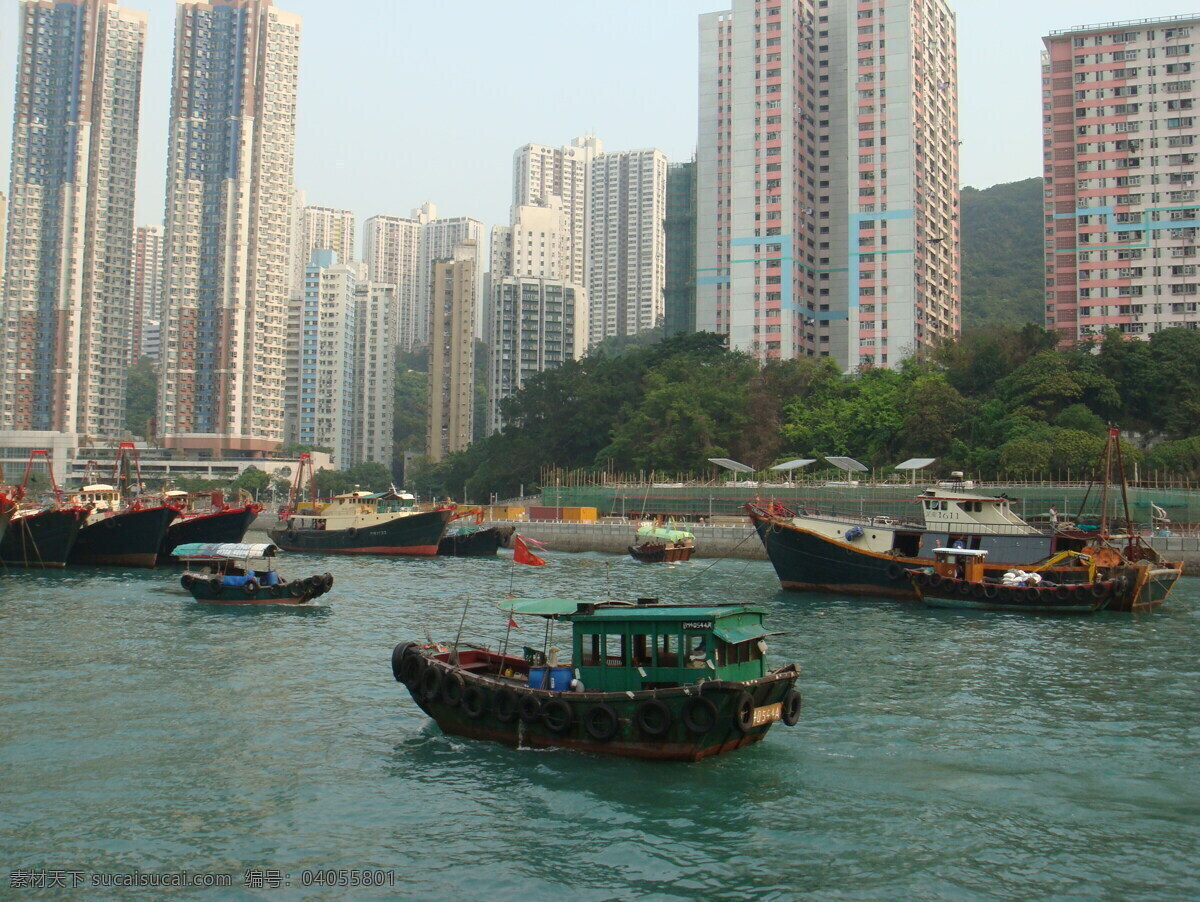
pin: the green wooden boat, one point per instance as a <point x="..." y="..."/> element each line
<point x="648" y="680"/>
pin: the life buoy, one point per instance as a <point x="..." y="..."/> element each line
<point x="894" y="571"/>
<point x="474" y="701"/>
<point x="556" y="715"/>
<point x="399" y="653"/>
<point x="250" y="587"/>
<point x="653" y="717"/>
<point x="529" y="708"/>
<point x="601" y="722"/>
<point x="790" y="712"/>
<point x="215" y="585"/>
<point x="699" y="715"/>
<point x="504" y="705"/>
<point x="431" y="682"/>
<point x="411" y="669"/>
<point x="743" y="712"/>
<point x="453" y="687"/>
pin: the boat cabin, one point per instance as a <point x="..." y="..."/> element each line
<point x="960" y="563"/>
<point x="99" y="497"/>
<point x="353" y="508"/>
<point x="975" y="515"/>
<point x="234" y="563"/>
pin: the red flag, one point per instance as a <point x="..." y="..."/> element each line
<point x="513" y="625"/>
<point x="522" y="554"/>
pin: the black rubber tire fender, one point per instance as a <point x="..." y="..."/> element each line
<point x="411" y="669"/>
<point x="1100" y="590"/>
<point x="250" y="587"/>
<point x="215" y="585"/>
<point x="1063" y="591"/>
<point x="790" y="710"/>
<point x="474" y="701"/>
<point x="504" y="705"/>
<point x="601" y="722"/>
<point x="326" y="582"/>
<point x="277" y="591"/>
<point x="399" y="653"/>
<point x="977" y="590"/>
<point x="935" y="580"/>
<point x="743" y="712"/>
<point x="453" y="687"/>
<point x="963" y="588"/>
<point x="653" y="717"/>
<point x="557" y="715"/>
<point x="699" y="715"/>
<point x="529" y="707"/>
<point x="186" y="580"/>
<point x="895" y="571"/>
<point x="352" y="532"/>
<point x="296" y="588"/>
<point x="990" y="591"/>
<point x="921" y="578"/>
<point x="431" y="682"/>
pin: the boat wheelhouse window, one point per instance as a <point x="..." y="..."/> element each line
<point x="668" y="650"/>
<point x="642" y="646"/>
<point x="592" y="650"/>
<point x="697" y="649"/>
<point x="615" y="655"/>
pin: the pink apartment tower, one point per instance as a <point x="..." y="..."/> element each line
<point x="1121" y="208"/>
<point x="827" y="168"/>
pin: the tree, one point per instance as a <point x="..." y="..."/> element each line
<point x="141" y="398"/>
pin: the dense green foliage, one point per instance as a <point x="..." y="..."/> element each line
<point x="1001" y="233"/>
<point x="999" y="403"/>
<point x="141" y="396"/>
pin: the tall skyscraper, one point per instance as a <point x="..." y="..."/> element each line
<point x="537" y="324"/>
<point x="376" y="352"/>
<point x="66" y="305"/>
<point x="452" y="352"/>
<point x="626" y="246"/>
<point x="229" y="226"/>
<point x="541" y="173"/>
<point x="400" y="251"/>
<point x="827" y="198"/>
<point x="1121" y="204"/>
<point x="679" y="227"/>
<point x="317" y="228"/>
<point x="147" y="291"/>
<point x="3" y="232"/>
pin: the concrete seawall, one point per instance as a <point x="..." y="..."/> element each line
<point x="724" y="541"/>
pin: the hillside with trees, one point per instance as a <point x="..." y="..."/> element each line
<point x="1001" y="232"/>
<point x="1000" y="403"/>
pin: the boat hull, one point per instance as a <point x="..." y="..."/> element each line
<point x="481" y="543"/>
<point x="42" y="540"/>
<point x="411" y="534"/>
<point x="465" y="704"/>
<point x="219" y="526"/>
<point x="127" y="539"/>
<point x="660" y="552"/>
<point x="290" y="593"/>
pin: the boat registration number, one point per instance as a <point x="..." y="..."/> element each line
<point x="768" y="714"/>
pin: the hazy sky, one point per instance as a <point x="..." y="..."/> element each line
<point x="403" y="101"/>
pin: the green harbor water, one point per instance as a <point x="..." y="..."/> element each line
<point x="940" y="755"/>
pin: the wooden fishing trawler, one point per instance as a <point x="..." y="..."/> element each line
<point x="649" y="680"/>
<point x="813" y="551"/>
<point x="41" y="534"/>
<point x="466" y="536"/>
<point x="241" y="574"/>
<point x="119" y="532"/>
<point x="358" y="522"/>
<point x="657" y="544"/>
<point x="207" y="517"/>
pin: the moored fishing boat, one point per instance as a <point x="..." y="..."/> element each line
<point x="679" y="682"/>
<point x="241" y="574"/>
<point x="466" y="536"/>
<point x="207" y="517"/>
<point x="358" y="522"/>
<point x="658" y="544"/>
<point x="41" y="534"/>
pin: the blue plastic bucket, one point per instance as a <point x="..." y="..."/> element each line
<point x="560" y="678"/>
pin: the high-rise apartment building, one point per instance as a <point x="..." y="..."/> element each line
<point x="342" y="362"/>
<point x="65" y="310"/>
<point x="3" y="241"/>
<point x="827" y="197"/>
<point x="542" y="173"/>
<point x="452" y="353"/>
<point x="537" y="324"/>
<point x="626" y="243"/>
<point x="1122" y="212"/>
<point x="679" y="232"/>
<point x="229" y="221"/>
<point x="400" y="251"/>
<point x="318" y="228"/>
<point x="147" y="292"/>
